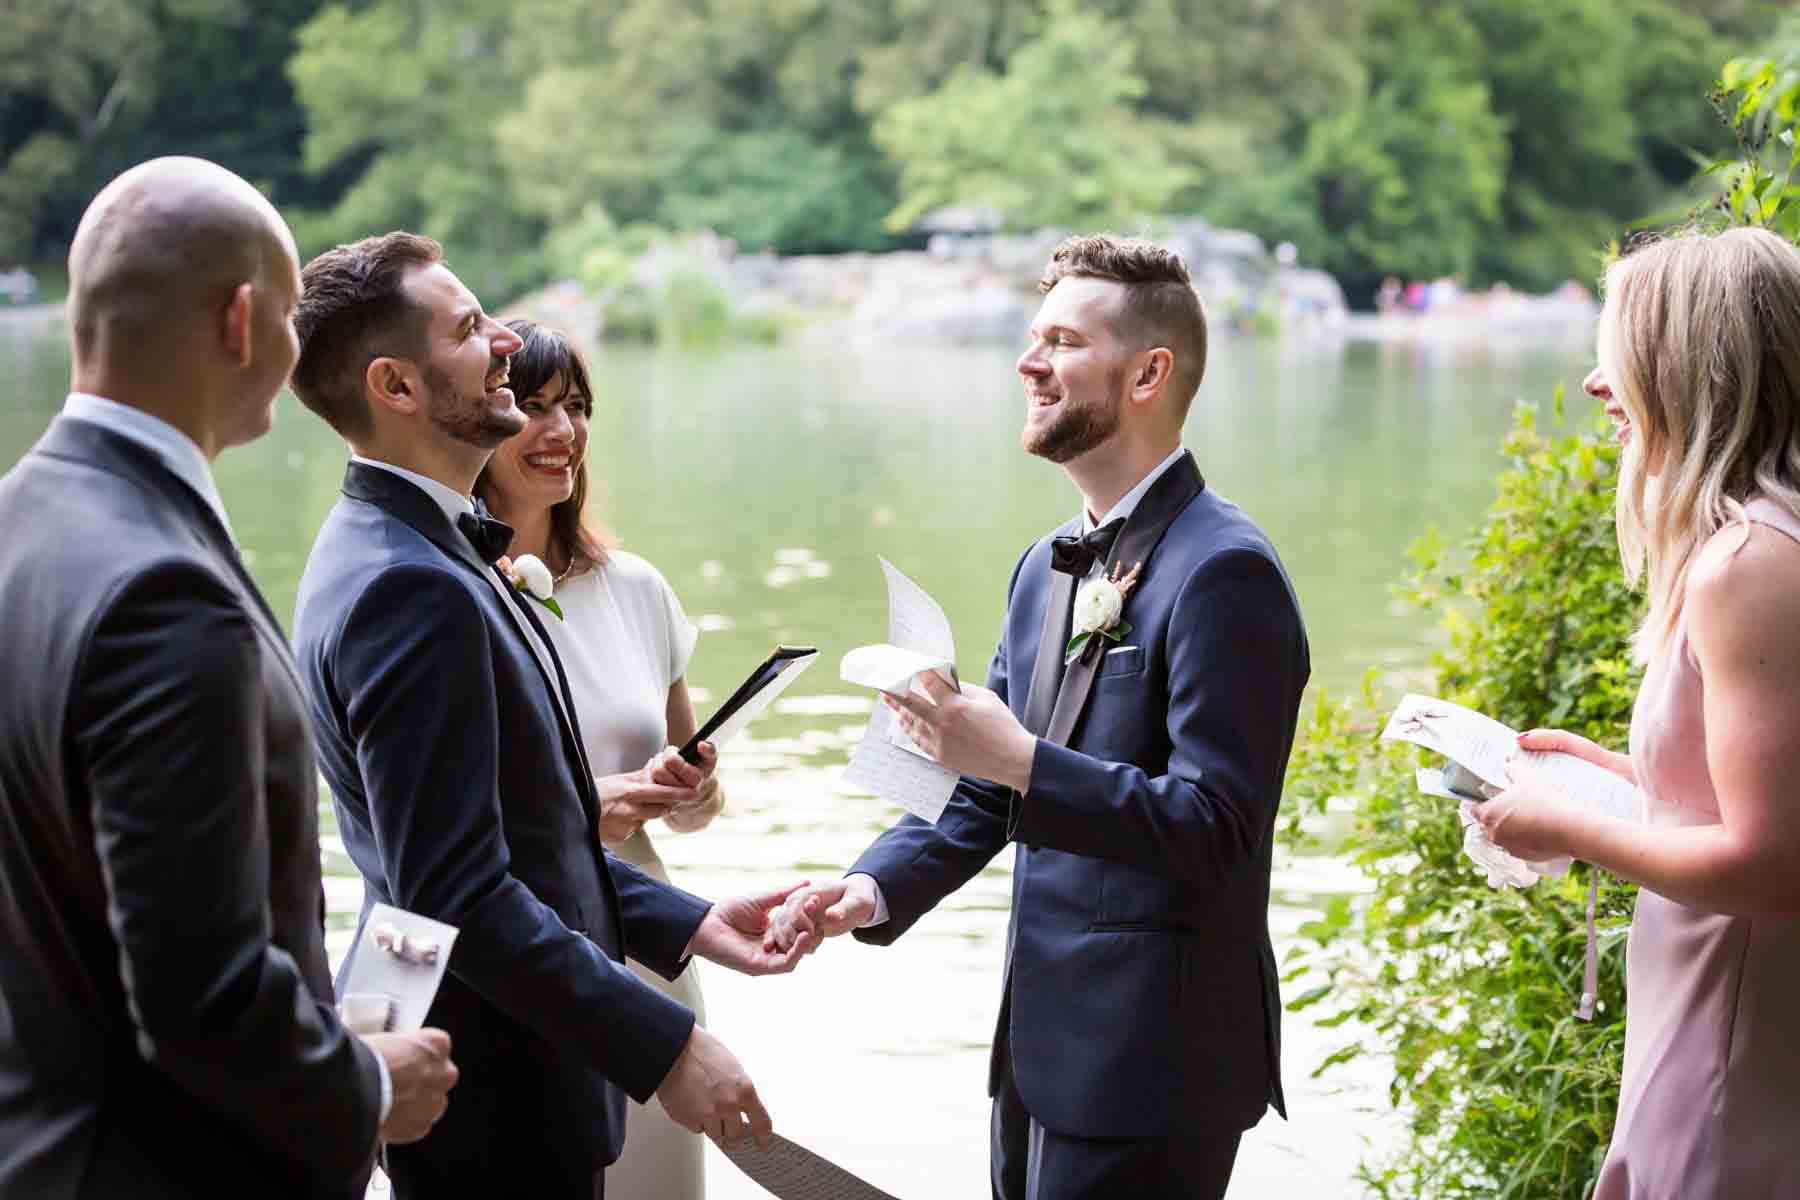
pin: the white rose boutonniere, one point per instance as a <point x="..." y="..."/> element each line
<point x="529" y="574"/>
<point x="1098" y="606"/>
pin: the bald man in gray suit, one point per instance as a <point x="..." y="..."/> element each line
<point x="166" y="1026"/>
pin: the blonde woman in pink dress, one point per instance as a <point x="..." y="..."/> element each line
<point x="624" y="643"/>
<point x="1699" y="349"/>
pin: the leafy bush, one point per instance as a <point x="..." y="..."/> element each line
<point x="1473" y="990"/>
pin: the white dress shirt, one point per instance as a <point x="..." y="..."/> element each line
<point x="1124" y="508"/>
<point x="178" y="452"/>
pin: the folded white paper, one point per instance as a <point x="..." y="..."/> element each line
<point x="891" y="669"/>
<point x="886" y="761"/>
<point x="1478" y="749"/>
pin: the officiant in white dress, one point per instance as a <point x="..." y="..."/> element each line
<point x="624" y="642"/>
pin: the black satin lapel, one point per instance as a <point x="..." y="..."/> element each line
<point x="590" y="800"/>
<point x="1046" y="674"/>
<point x="405" y="500"/>
<point x="1165" y="500"/>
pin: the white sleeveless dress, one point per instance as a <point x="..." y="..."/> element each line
<point x="624" y="640"/>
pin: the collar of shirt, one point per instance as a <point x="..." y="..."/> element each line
<point x="1129" y="501"/>
<point x="173" y="448"/>
<point x="453" y="502"/>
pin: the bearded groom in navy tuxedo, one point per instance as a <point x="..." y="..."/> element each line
<point x="1132" y="740"/>
<point x="446" y="730"/>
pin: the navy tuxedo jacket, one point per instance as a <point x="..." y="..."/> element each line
<point x="1140" y="995"/>
<point x="462" y="793"/>
<point x="165" y="1019"/>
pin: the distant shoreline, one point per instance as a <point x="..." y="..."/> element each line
<point x="23" y="313"/>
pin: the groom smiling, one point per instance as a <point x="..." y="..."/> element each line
<point x="1133" y="744"/>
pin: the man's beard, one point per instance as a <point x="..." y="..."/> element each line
<point x="1075" y="431"/>
<point x="467" y="419"/>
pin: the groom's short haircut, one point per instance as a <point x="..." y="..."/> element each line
<point x="353" y="310"/>
<point x="1160" y="307"/>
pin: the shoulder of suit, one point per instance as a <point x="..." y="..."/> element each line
<point x="1211" y="527"/>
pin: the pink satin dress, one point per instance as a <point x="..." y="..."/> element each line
<point x="1709" y="1108"/>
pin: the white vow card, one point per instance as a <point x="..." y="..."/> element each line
<point x="398" y="955"/>
<point x="886" y="761"/>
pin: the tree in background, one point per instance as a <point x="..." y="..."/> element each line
<point x="404" y="97"/>
<point x="734" y="114"/>
<point x="89" y="89"/>
<point x="1370" y="132"/>
<point x="1052" y="140"/>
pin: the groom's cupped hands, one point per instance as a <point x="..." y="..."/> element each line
<point x="735" y="933"/>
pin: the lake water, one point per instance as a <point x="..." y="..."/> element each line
<point x="765" y="482"/>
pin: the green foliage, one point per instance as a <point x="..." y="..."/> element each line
<point x="1408" y="181"/>
<point x="1473" y="990"/>
<point x="1380" y="135"/>
<point x="1051" y="140"/>
<point x="775" y="189"/>
<point x="1760" y="101"/>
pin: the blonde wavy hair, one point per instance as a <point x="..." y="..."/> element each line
<point x="1700" y="341"/>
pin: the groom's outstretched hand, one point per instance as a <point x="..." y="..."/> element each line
<point x="734" y="933"/>
<point x="708" y="1092"/>
<point x="811" y="914"/>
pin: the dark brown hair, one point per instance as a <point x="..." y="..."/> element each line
<point x="1160" y="307"/>
<point x="546" y="354"/>
<point x="354" y="309"/>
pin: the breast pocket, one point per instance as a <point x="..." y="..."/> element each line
<point x="1121" y="660"/>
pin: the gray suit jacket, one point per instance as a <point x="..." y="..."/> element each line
<point x="165" y="1020"/>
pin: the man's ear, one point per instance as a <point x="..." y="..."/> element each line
<point x="393" y="383"/>
<point x="235" y="322"/>
<point x="1154" y="366"/>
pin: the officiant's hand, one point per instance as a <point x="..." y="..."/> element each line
<point x="972" y="731"/>
<point x="733" y="934"/>
<point x="420" y="1069"/>
<point x="629" y="799"/>
<point x="825" y="910"/>
<point x="707" y="1091"/>
<point x="671" y="770"/>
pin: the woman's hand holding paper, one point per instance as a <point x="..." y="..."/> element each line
<point x="1528" y="820"/>
<point x="1564" y="742"/>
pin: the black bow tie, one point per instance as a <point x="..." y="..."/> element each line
<point x="1076" y="555"/>
<point x="489" y="535"/>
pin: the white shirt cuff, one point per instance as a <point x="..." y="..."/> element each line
<point x="881" y="910"/>
<point x="387" y="1089"/>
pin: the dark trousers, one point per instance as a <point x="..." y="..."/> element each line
<point x="1029" y="1162"/>
<point x="530" y="1175"/>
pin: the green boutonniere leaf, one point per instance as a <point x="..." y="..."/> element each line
<point x="550" y="603"/>
<point x="1079" y="642"/>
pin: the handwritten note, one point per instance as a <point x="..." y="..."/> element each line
<point x="790" y="1171"/>
<point x="1481" y="750"/>
<point x="886" y="761"/>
